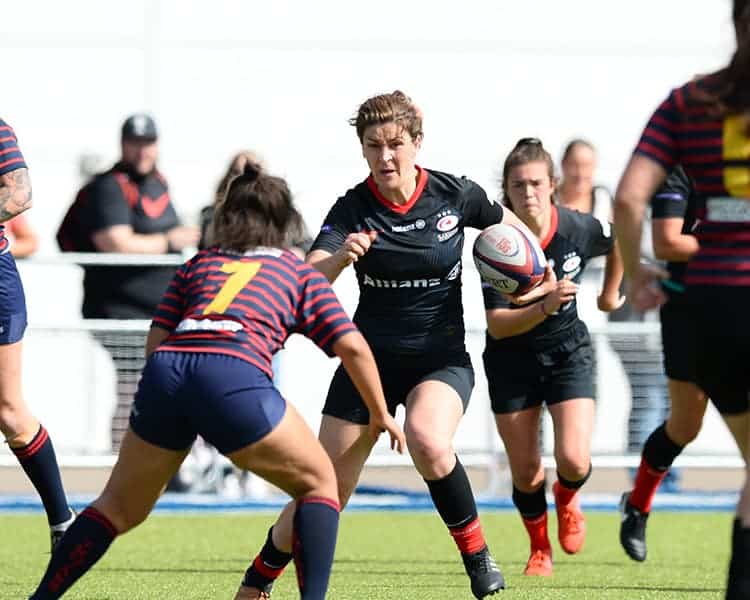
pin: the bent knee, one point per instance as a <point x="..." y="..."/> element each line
<point x="429" y="451"/>
<point x="317" y="480"/>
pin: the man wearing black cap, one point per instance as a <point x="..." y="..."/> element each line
<point x="126" y="210"/>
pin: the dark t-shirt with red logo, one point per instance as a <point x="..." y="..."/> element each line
<point x="410" y="280"/>
<point x="119" y="197"/>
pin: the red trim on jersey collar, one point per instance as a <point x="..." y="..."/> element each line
<point x="401" y="209"/>
<point x="552" y="229"/>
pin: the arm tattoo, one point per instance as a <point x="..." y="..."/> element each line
<point x="15" y="193"/>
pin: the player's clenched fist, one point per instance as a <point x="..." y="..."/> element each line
<point x="356" y="245"/>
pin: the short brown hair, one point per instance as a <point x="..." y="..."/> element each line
<point x="525" y="151"/>
<point x="395" y="107"/>
<point x="257" y="210"/>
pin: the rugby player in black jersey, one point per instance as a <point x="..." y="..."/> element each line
<point x="704" y="126"/>
<point x="540" y="353"/>
<point x="672" y="220"/>
<point x="402" y="229"/>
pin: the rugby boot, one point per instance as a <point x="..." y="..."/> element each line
<point x="57" y="531"/>
<point x="571" y="524"/>
<point x="632" y="529"/>
<point x="486" y="578"/>
<point x="540" y="563"/>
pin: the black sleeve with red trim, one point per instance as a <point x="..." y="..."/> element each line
<point x="106" y="205"/>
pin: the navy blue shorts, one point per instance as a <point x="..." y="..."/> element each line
<point x="226" y="400"/>
<point x="519" y="380"/>
<point x="400" y="374"/>
<point x="12" y="302"/>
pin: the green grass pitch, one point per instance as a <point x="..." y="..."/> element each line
<point x="404" y="556"/>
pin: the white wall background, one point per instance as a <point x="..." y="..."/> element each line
<point x="283" y="77"/>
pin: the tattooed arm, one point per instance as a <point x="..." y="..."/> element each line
<point x="15" y="193"/>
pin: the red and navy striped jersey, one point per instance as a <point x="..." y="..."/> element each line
<point x="246" y="305"/>
<point x="10" y="160"/>
<point x="715" y="153"/>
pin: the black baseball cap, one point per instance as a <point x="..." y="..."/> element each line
<point x="139" y="126"/>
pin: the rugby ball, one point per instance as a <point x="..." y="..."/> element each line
<point x="509" y="259"/>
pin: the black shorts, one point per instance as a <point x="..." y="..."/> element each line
<point x="400" y="374"/>
<point x="678" y="339"/>
<point x="518" y="380"/>
<point x="722" y="346"/>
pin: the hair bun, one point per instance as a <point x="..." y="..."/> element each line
<point x="251" y="170"/>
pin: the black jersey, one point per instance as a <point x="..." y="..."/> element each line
<point x="121" y="197"/>
<point x="676" y="199"/>
<point x="410" y="280"/>
<point x="573" y="239"/>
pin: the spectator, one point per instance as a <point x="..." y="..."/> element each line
<point x="648" y="386"/>
<point x="128" y="210"/>
<point x="24" y="240"/>
<point x="299" y="240"/>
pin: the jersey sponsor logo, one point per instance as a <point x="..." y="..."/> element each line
<point x="454" y="272"/>
<point x="728" y="210"/>
<point x="571" y="263"/>
<point x="442" y="237"/>
<point x="155" y="207"/>
<point x="400" y="283"/>
<point x="418" y="224"/>
<point x="447" y="223"/>
<point x="207" y="325"/>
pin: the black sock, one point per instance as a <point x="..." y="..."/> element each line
<point x="267" y="566"/>
<point x="660" y="451"/>
<point x="83" y="544"/>
<point x="40" y="464"/>
<point x="316" y="523"/>
<point x="531" y="505"/>
<point x="574" y="485"/>
<point x="738" y="583"/>
<point x="455" y="504"/>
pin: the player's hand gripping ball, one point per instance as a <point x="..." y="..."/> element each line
<point x="509" y="259"/>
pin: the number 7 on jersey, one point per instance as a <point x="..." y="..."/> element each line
<point x="240" y="274"/>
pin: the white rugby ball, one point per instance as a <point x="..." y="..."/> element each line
<point x="509" y="258"/>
